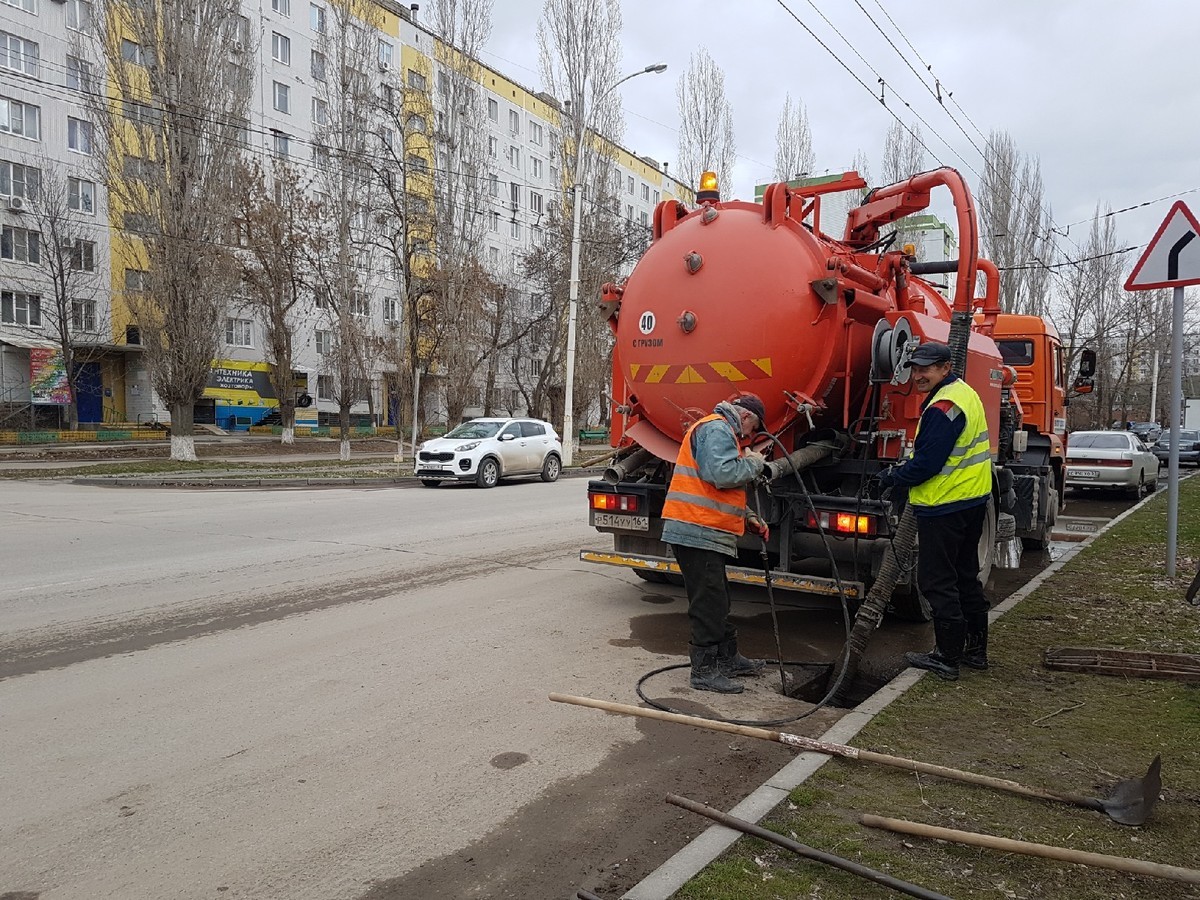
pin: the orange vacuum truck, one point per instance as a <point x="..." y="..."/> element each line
<point x="737" y="296"/>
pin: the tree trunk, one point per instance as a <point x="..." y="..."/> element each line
<point x="344" y="424"/>
<point x="287" y="418"/>
<point x="183" y="433"/>
<point x="288" y="435"/>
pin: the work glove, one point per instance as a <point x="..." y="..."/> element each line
<point x="757" y="526"/>
<point x="887" y="478"/>
<point x="753" y="455"/>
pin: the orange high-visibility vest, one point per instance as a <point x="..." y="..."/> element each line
<point x="692" y="499"/>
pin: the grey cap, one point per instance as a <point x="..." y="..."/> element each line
<point x="930" y="353"/>
<point x="753" y="403"/>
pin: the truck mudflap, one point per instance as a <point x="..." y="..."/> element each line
<point x="788" y="581"/>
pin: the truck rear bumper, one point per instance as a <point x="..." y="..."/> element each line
<point x="788" y="581"/>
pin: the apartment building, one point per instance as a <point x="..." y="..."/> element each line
<point x="283" y="45"/>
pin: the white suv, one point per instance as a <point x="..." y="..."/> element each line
<point x="486" y="450"/>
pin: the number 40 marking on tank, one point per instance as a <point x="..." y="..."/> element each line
<point x="646" y="322"/>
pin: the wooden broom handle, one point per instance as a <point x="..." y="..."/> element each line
<point x="842" y="750"/>
<point x="1047" y="851"/>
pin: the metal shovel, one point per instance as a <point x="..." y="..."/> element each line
<point x="1130" y="803"/>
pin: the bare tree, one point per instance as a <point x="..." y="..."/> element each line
<point x="903" y="157"/>
<point x="580" y="58"/>
<point x="1016" y="222"/>
<point x="275" y="228"/>
<point x="706" y="141"/>
<point x="168" y="133"/>
<point x="794" y="154"/>
<point x="345" y="113"/>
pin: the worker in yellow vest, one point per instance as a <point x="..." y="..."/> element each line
<point x="705" y="512"/>
<point x="949" y="480"/>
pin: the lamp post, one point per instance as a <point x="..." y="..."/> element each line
<point x="568" y="435"/>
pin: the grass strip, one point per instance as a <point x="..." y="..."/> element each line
<point x="1073" y="731"/>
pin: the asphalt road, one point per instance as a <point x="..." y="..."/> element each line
<point x="341" y="694"/>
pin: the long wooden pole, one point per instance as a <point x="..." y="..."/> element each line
<point x="1047" y="851"/>
<point x="842" y="750"/>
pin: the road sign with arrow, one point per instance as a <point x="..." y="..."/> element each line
<point x="1172" y="258"/>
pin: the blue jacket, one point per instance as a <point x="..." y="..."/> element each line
<point x="715" y="447"/>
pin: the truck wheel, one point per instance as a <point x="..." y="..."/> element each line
<point x="1042" y="541"/>
<point x="987" y="544"/>
<point x="651" y="576"/>
<point x="488" y="474"/>
<point x="909" y="605"/>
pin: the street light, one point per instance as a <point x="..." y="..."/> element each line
<point x="568" y="435"/>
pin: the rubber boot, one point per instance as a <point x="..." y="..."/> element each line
<point x="944" y="658"/>
<point x="731" y="663"/>
<point x="975" y="649"/>
<point x="706" y="675"/>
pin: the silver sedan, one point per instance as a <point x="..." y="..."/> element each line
<point x="1110" y="459"/>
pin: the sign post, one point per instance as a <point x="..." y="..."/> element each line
<point x="1172" y="260"/>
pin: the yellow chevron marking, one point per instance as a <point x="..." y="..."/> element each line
<point x="656" y="374"/>
<point x="764" y="364"/>
<point x="728" y="371"/>
<point x="689" y="376"/>
<point x="634" y="368"/>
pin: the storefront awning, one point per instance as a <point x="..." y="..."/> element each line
<point x="27" y="342"/>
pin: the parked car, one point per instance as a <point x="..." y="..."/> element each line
<point x="486" y="450"/>
<point x="1149" y="432"/>
<point x="1110" y="459"/>
<point x="1189" y="447"/>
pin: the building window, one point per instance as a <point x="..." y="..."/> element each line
<point x="493" y="185"/>
<point x="324" y="343"/>
<point x="320" y="111"/>
<point x="535" y="167"/>
<point x="417" y="80"/>
<point x="494" y="255"/>
<point x="280" y="93"/>
<point x="535" y="202"/>
<point x="279" y="143"/>
<point x="317" y="65"/>
<point x="360" y="304"/>
<point x="324" y="387"/>
<point x="81" y="195"/>
<point x="23" y="119"/>
<point x="17" y="180"/>
<point x="535" y="367"/>
<point x="83" y="315"/>
<point x="535" y="133"/>
<point x="656" y="198"/>
<point x="493" y="147"/>
<point x="493" y="110"/>
<point x="417" y="164"/>
<point x="238" y="333"/>
<point x="514" y="194"/>
<point x="385" y="54"/>
<point x="281" y="48"/>
<point x="514" y="229"/>
<point x="79" y="13"/>
<point x="79" y="135"/>
<point x="21" y="309"/>
<point x="316" y="18"/>
<point x="18" y="54"/>
<point x="83" y="256"/>
<point x="136" y="281"/>
<point x="514" y="157"/>
<point x="629" y="184"/>
<point x="514" y="122"/>
<point x="629" y="211"/>
<point x="391" y="309"/>
<point x="20" y="245"/>
<point x="133" y="52"/>
<point x="27" y="5"/>
<point x="283" y="7"/>
<point x="494" y="221"/>
<point x="644" y="218"/>
<point x="79" y="74"/>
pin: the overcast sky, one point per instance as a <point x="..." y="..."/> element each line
<point x="1106" y="93"/>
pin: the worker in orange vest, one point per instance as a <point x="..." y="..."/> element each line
<point x="705" y="512"/>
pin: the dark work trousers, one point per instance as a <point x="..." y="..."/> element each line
<point x="708" y="593"/>
<point x="948" y="564"/>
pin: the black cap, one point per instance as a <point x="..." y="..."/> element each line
<point x="930" y="354"/>
<point x="753" y="403"/>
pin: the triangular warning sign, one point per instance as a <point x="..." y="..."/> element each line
<point x="1172" y="258"/>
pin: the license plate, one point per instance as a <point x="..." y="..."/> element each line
<point x="1085" y="473"/>
<point x="433" y="465"/>
<point x="629" y="523"/>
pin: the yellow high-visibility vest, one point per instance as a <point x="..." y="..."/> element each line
<point x="967" y="473"/>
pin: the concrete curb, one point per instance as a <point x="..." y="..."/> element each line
<point x="663" y="882"/>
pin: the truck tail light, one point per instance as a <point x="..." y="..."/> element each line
<point x="841" y="522"/>
<point x="625" y="503"/>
